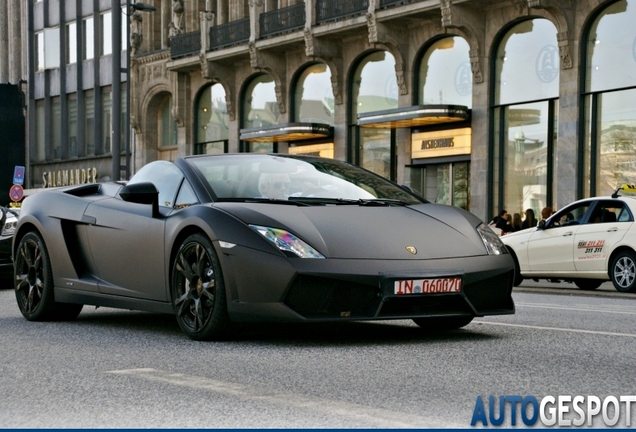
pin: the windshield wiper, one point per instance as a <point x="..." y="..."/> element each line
<point x="263" y="200"/>
<point x="345" y="201"/>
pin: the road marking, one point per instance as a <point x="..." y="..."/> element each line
<point x="364" y="415"/>
<point x="557" y="329"/>
<point x="582" y="308"/>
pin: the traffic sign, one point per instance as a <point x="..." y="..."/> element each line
<point x="16" y="192"/>
<point x="18" y="175"/>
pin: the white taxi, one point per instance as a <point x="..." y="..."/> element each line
<point x="587" y="242"/>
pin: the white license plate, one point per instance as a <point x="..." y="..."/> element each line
<point x="428" y="286"/>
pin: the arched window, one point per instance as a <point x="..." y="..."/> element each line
<point x="167" y="132"/>
<point x="445" y="76"/>
<point x="609" y="151"/>
<point x="374" y="88"/>
<point x="211" y="121"/>
<point x="525" y="117"/>
<point x="260" y="109"/>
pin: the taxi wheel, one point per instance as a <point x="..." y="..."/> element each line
<point x="588" y="284"/>
<point x="437" y="324"/>
<point x="623" y="271"/>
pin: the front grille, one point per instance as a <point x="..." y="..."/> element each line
<point x="490" y="294"/>
<point x="424" y="305"/>
<point x="317" y="297"/>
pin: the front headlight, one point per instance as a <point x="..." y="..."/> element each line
<point x="287" y="242"/>
<point x="491" y="240"/>
<point x="9" y="226"/>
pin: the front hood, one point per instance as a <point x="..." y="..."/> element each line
<point x="358" y="232"/>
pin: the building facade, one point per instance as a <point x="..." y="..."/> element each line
<point x="482" y="104"/>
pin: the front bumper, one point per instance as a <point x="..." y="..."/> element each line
<point x="267" y="287"/>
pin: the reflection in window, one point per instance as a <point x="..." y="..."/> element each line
<point x="89" y="124"/>
<point x="527" y="63"/>
<point x="314" y="101"/>
<point x="40" y="132"/>
<point x="56" y="127"/>
<point x="167" y="131"/>
<point x="107" y="107"/>
<point x="610" y="141"/>
<point x="72" y="125"/>
<point x="325" y="150"/>
<point x="107" y="33"/>
<point x="212" y="121"/>
<point x="89" y="34"/>
<point x="39" y="49"/>
<point x="260" y="108"/>
<point x="374" y="88"/>
<point x="71" y="43"/>
<point x="445" y="74"/>
<point x="525" y="132"/>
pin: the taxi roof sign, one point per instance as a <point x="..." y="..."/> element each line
<point x="625" y="187"/>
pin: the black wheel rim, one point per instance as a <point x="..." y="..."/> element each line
<point x="29" y="275"/>
<point x="195" y="287"/>
<point x="624" y="272"/>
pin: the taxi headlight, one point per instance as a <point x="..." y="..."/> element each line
<point x="287" y="242"/>
<point x="9" y="228"/>
<point x="491" y="240"/>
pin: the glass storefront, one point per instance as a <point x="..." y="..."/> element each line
<point x="212" y="121"/>
<point x="525" y="117"/>
<point x="609" y="148"/>
<point x="260" y="109"/>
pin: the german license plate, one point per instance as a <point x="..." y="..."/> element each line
<point x="428" y="286"/>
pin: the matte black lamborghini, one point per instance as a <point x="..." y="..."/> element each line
<point x="223" y="239"/>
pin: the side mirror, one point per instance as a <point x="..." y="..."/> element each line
<point x="541" y="224"/>
<point x="141" y="193"/>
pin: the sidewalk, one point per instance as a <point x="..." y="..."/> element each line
<point x="544" y="286"/>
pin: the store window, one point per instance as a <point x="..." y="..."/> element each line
<point x="525" y="117"/>
<point x="374" y="88"/>
<point x="167" y="131"/>
<point x="212" y="121"/>
<point x="445" y="76"/>
<point x="609" y="150"/>
<point x="260" y="109"/>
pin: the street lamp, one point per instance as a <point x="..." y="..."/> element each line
<point x="116" y="88"/>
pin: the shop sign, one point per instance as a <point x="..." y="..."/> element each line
<point x="452" y="142"/>
<point x="69" y="177"/>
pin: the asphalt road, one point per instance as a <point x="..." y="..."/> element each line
<point x="125" y="369"/>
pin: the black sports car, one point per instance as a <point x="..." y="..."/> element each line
<point x="223" y="239"/>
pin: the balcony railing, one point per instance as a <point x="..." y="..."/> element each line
<point x="389" y="3"/>
<point x="331" y="10"/>
<point x="185" y="44"/>
<point x="232" y="33"/>
<point x="282" y="20"/>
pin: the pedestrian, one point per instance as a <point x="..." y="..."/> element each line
<point x="546" y="212"/>
<point x="516" y="222"/>
<point x="530" y="221"/>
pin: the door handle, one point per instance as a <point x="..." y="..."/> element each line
<point x="613" y="229"/>
<point x="567" y="234"/>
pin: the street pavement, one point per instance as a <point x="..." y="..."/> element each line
<point x="546" y="287"/>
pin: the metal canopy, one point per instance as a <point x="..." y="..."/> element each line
<point x="287" y="132"/>
<point x="414" y="116"/>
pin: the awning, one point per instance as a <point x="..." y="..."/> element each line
<point x="287" y="132"/>
<point x="414" y="116"/>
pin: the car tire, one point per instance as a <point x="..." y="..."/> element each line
<point x="439" y="324"/>
<point x="33" y="282"/>
<point x="623" y="271"/>
<point x="588" y="284"/>
<point x="198" y="291"/>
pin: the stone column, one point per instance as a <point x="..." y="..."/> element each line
<point x="15" y="42"/>
<point x="4" y="45"/>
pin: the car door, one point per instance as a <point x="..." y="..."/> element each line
<point x="551" y="249"/>
<point x="127" y="239"/>
<point x="606" y="226"/>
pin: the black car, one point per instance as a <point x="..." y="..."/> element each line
<point x="223" y="239"/>
<point x="8" y="222"/>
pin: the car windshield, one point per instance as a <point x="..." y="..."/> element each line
<point x="298" y="179"/>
